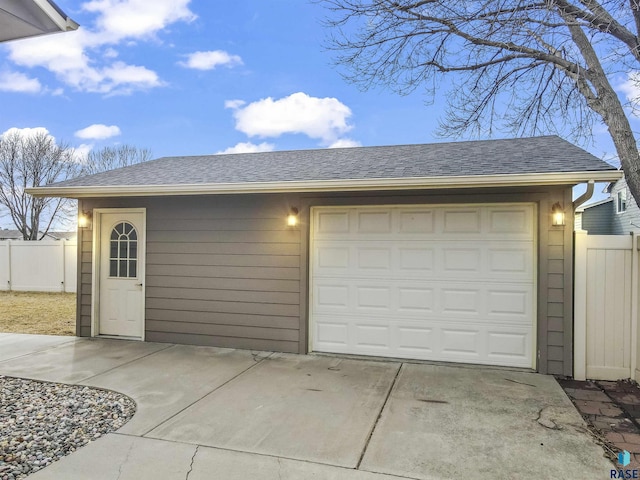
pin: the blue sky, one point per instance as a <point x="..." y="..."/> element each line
<point x="189" y="77"/>
<point x="198" y="77"/>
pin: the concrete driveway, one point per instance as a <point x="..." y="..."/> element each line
<point x="218" y="413"/>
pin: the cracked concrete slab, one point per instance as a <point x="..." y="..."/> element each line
<point x="166" y="382"/>
<point x="318" y="409"/>
<point x="14" y="345"/>
<point x="122" y="457"/>
<point x="456" y="422"/>
<point x="230" y="465"/>
<point x="78" y="361"/>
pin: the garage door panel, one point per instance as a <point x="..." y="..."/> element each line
<point x="456" y="259"/>
<point x="336" y="258"/>
<point x="420" y="221"/>
<point x="371" y="336"/>
<point x="460" y="342"/>
<point x="419" y="301"/>
<point x="414" y="341"/>
<point x="332" y="222"/>
<point x="448" y="260"/>
<point x="461" y="221"/>
<point x="416" y="258"/>
<point x="374" y="258"/>
<point x="378" y="298"/>
<point x="512" y="220"/>
<point x="464" y="342"/>
<point x="331" y="334"/>
<point x="332" y="297"/>
<point x="508" y="345"/>
<point x="448" y="283"/>
<point x="373" y="222"/>
<point x="426" y="300"/>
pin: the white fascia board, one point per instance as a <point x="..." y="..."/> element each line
<point x="353" y="185"/>
<point x="64" y="23"/>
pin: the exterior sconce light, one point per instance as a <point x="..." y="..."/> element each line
<point x="292" y="219"/>
<point x="557" y="214"/>
<point x="84" y="219"/>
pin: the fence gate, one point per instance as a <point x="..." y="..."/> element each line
<point x="605" y="306"/>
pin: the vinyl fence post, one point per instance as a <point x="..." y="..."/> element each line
<point x="63" y="282"/>
<point x="580" y="306"/>
<point x="635" y="265"/>
<point x="9" y="265"/>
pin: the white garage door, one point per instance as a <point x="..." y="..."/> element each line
<point x="447" y="283"/>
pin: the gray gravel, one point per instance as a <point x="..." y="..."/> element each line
<point x="41" y="422"/>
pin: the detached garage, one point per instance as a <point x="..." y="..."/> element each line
<point x="456" y="252"/>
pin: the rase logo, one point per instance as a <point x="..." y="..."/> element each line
<point x="624" y="459"/>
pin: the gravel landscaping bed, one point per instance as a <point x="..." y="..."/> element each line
<point x="41" y="422"/>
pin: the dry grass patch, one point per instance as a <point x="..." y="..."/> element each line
<point x="37" y="312"/>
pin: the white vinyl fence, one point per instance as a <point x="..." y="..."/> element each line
<point x="606" y="307"/>
<point x="42" y="266"/>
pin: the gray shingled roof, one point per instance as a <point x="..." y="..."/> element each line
<point x="548" y="154"/>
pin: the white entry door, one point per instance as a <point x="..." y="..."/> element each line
<point x="121" y="296"/>
<point x="450" y="283"/>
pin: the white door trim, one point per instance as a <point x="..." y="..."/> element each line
<point x="95" y="265"/>
<point x="535" y="259"/>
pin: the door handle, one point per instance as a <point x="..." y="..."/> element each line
<point x="138" y="284"/>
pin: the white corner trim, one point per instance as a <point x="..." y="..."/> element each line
<point x="349" y="185"/>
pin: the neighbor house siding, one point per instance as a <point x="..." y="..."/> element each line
<point x="597" y="220"/>
<point x="226" y="270"/>
<point x="624" y="222"/>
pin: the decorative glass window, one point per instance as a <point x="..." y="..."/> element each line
<point x="123" y="251"/>
<point x="621" y="202"/>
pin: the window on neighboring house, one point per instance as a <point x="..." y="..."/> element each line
<point x="621" y="203"/>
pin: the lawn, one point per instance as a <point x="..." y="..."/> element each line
<point x="36" y="312"/>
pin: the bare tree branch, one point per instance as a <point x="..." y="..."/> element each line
<point x="32" y="161"/>
<point x="526" y="66"/>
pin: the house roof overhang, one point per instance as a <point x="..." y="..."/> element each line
<point x="30" y="18"/>
<point x="342" y="185"/>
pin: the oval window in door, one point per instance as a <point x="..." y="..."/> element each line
<point x="123" y="251"/>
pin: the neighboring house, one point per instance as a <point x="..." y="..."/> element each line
<point x="617" y="215"/>
<point x="447" y="252"/>
<point x="6" y="234"/>
<point x="62" y="235"/>
<point x="30" y="18"/>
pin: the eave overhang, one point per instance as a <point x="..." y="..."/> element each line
<point x="346" y="185"/>
<point x="29" y="18"/>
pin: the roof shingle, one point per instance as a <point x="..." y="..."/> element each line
<point x="536" y="155"/>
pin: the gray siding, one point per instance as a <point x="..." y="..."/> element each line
<point x="226" y="271"/>
<point x="597" y="220"/>
<point x="221" y="271"/>
<point x="629" y="220"/>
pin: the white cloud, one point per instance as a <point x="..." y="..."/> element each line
<point x="233" y="104"/>
<point x="320" y="118"/>
<point x="126" y="19"/>
<point x="210" y="60"/>
<point x="248" y="147"/>
<point x="81" y="152"/>
<point x="345" y="143"/>
<point x="27" y="132"/>
<point x="631" y="89"/>
<point x="83" y="59"/>
<point x="98" y="131"/>
<point x="19" y="83"/>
